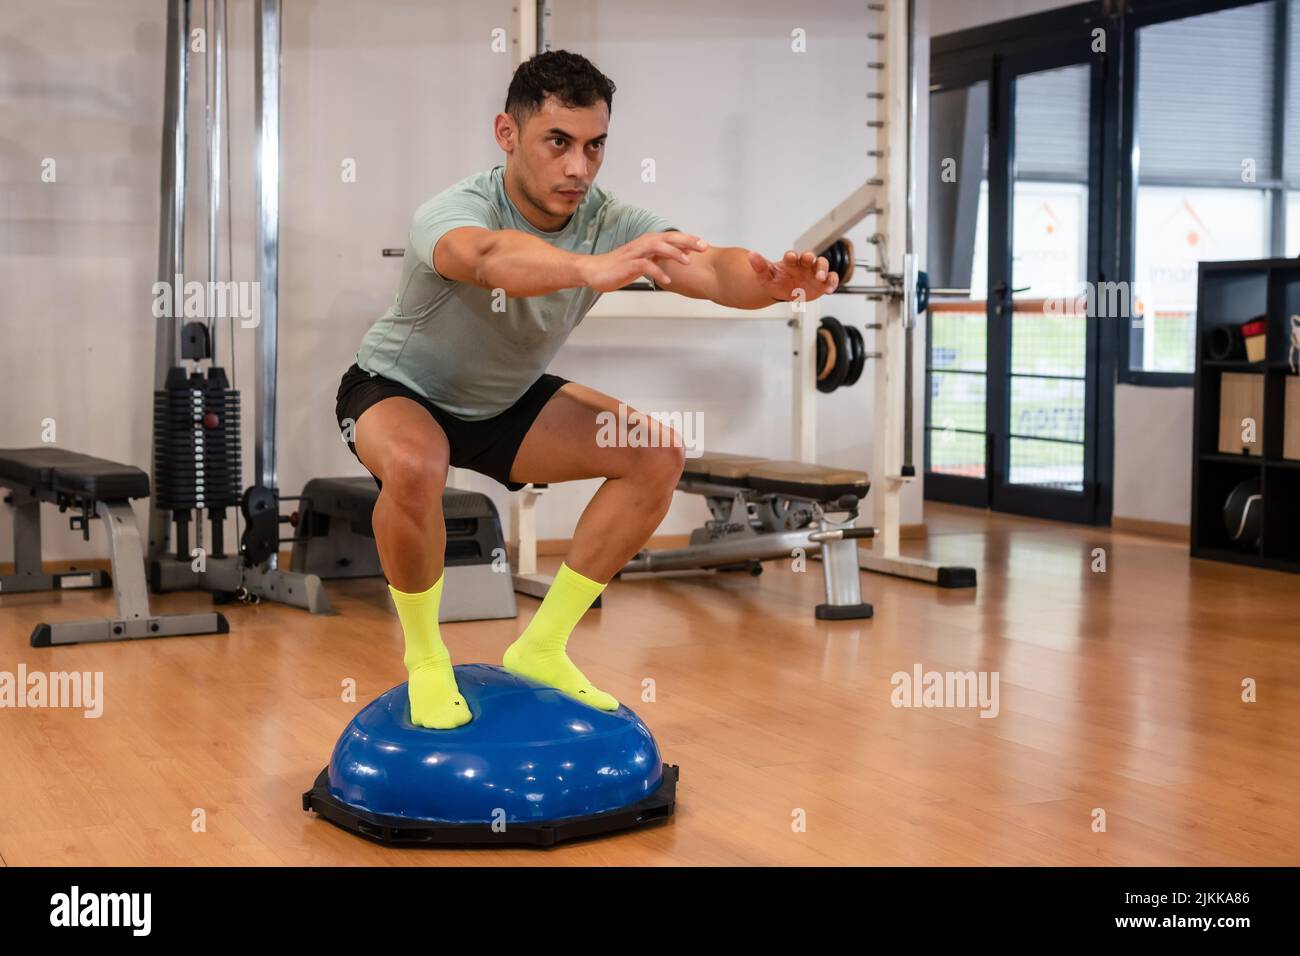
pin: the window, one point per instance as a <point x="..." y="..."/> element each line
<point x="1177" y="227"/>
<point x="1049" y="266"/>
<point x="1208" y="183"/>
<point x="979" y="273"/>
<point x="1291" y="134"/>
<point x="958" y="258"/>
<point x="1051" y="238"/>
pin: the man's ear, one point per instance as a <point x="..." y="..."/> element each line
<point x="507" y="133"/>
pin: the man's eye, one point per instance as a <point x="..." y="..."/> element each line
<point x="558" y="142"/>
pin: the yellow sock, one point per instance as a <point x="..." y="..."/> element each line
<point x="436" y="702"/>
<point x="539" y="652"/>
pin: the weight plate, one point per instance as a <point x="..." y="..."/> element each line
<point x="857" y="355"/>
<point x="846" y="246"/>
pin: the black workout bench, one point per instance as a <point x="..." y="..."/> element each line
<point x="763" y="510"/>
<point x="92" y="488"/>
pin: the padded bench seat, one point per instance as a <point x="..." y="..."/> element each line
<point x="66" y="472"/>
<point x="802" y="480"/>
<point x="794" y="478"/>
<point x="721" y="468"/>
<point x="99" y="489"/>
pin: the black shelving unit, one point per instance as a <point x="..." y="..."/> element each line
<point x="1233" y="292"/>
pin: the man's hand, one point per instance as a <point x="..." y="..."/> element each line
<point x="806" y="271"/>
<point x="640" y="257"/>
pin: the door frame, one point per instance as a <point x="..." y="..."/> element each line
<point x="1038" y="502"/>
<point x="997" y="55"/>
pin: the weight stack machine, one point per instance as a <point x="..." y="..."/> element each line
<point x="197" y="460"/>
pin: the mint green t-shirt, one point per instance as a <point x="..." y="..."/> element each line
<point x="442" y="338"/>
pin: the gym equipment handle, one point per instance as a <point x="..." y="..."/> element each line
<point x="841" y="533"/>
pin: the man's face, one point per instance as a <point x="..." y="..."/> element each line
<point x="558" y="154"/>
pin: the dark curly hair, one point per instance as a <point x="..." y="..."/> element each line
<point x="569" y="77"/>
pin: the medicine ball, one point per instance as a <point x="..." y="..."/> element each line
<point x="1243" y="514"/>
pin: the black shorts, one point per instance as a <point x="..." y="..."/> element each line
<point x="487" y="446"/>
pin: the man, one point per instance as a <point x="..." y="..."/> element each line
<point x="499" y="270"/>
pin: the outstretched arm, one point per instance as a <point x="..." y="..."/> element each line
<point x="743" y="279"/>
<point x="525" y="265"/>
<point x="521" y="264"/>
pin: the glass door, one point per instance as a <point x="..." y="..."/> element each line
<point x="1012" y="370"/>
<point x="1042" y="312"/>
<point x="957" y="258"/>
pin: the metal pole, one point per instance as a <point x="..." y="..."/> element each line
<point x="911" y="126"/>
<point x="909" y="250"/>
<point x="217" y="45"/>
<point x="267" y="243"/>
<point x="544" y="27"/>
<point x="171" y="219"/>
<point x="171" y="222"/>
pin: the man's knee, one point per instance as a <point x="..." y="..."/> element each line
<point x="415" y="473"/>
<point x="661" y="466"/>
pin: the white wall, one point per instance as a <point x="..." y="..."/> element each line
<point x="81" y="84"/>
<point x="753" y="143"/>
<point x="1153" y="454"/>
<point x="949" y="16"/>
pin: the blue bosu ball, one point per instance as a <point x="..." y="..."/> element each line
<point x="533" y="767"/>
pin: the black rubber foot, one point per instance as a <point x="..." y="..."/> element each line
<point x="42" y="635"/>
<point x="405" y="831"/>
<point x="223" y="626"/>
<point x="956" y="578"/>
<point x="843" y="612"/>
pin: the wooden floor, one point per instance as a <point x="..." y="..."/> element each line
<point x="1119" y="691"/>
